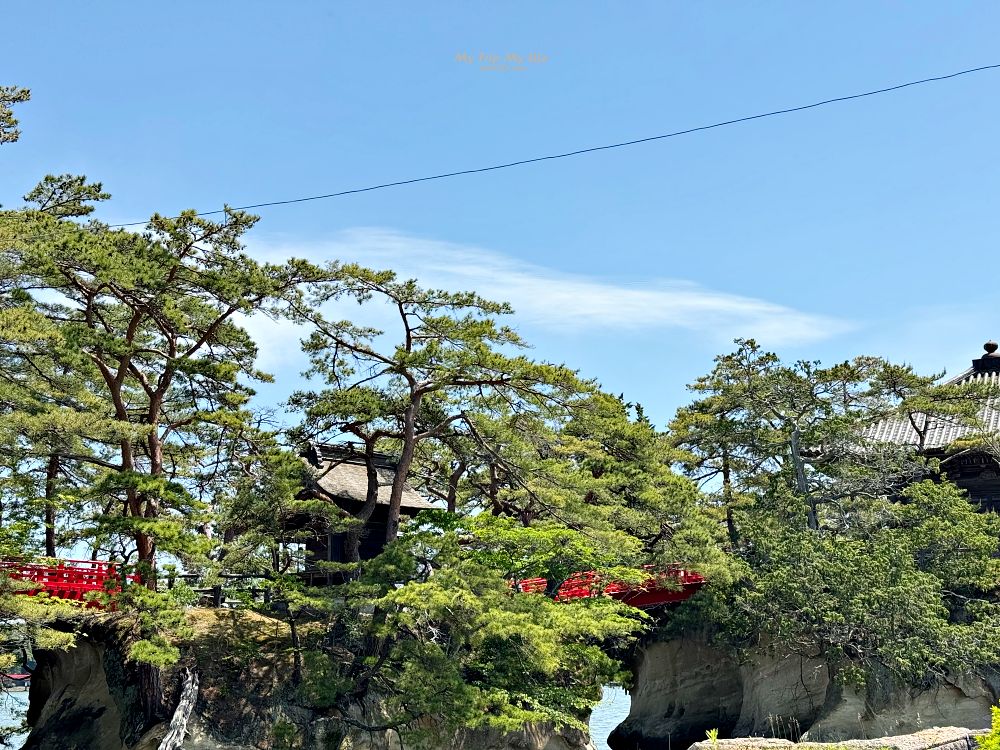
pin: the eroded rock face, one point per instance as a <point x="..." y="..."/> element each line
<point x="681" y="687"/>
<point x="685" y="687"/>
<point x="782" y="695"/>
<point x="74" y="706"/>
<point x="319" y="736"/>
<point x="962" y="701"/>
<point x="90" y="698"/>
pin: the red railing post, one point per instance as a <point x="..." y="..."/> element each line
<point x="66" y="579"/>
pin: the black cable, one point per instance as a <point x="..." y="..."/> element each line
<point x="590" y="150"/>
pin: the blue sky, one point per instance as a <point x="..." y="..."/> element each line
<point x="864" y="227"/>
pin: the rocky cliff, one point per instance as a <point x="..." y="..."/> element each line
<point x="87" y="696"/>
<point x="684" y="687"/>
<point x="91" y="698"/>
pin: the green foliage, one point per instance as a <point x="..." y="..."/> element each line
<point x="543" y="476"/>
<point x="946" y="536"/>
<point x="125" y="369"/>
<point x="285" y="735"/>
<point x="9" y="96"/>
<point x="861" y="602"/>
<point x="845" y="548"/>
<point x="991" y="741"/>
<point x="127" y="424"/>
<point x="66" y="195"/>
<point x="448" y="637"/>
<point x="324" y="684"/>
<point x="157" y="623"/>
<point x="453" y="368"/>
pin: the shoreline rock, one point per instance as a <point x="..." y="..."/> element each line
<point x="935" y="738"/>
<point x="686" y="686"/>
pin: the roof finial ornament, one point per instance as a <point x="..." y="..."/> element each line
<point x="990" y="361"/>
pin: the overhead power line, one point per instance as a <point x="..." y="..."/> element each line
<point x="590" y="150"/>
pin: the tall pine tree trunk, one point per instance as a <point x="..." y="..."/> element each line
<point x="146" y="543"/>
<point x="727" y="498"/>
<point x="402" y="471"/>
<point x="352" y="539"/>
<point x="801" y="483"/>
<point x="51" y="474"/>
<point x="453" y="479"/>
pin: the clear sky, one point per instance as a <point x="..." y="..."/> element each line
<point x="864" y="227"/>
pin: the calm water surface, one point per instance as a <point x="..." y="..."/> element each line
<point x="12" y="709"/>
<point x="608" y="714"/>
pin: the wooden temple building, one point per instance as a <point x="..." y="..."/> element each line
<point x="975" y="470"/>
<point x="339" y="475"/>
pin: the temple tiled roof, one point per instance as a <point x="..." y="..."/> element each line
<point x="341" y="472"/>
<point x="941" y="431"/>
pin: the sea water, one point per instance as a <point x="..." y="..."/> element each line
<point x="608" y="714"/>
<point x="13" y="707"/>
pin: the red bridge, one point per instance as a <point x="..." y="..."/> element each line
<point x="670" y="587"/>
<point x="74" y="579"/>
<point x="67" y="579"/>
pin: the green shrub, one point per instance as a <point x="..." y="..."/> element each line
<point x="991" y="741"/>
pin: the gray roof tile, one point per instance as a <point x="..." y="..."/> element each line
<point x="941" y="431"/>
<point x="346" y="477"/>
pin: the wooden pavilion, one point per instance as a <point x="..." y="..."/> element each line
<point x="976" y="470"/>
<point x="339" y="475"/>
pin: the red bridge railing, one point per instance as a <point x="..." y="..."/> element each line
<point x="67" y="579"/>
<point x="670" y="587"/>
<point x="74" y="579"/>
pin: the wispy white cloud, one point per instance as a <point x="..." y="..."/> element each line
<point x="568" y="303"/>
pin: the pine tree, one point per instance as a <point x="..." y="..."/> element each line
<point x="145" y="330"/>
